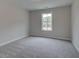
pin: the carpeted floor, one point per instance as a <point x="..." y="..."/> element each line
<point x="38" y="47"/>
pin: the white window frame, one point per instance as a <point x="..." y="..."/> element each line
<point x="46" y="23"/>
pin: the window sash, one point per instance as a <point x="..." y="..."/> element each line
<point x="47" y="22"/>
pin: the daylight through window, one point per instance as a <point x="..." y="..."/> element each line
<point x="47" y="22"/>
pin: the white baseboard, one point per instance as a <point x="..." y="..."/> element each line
<point x="68" y="39"/>
<point x="2" y="44"/>
<point x="77" y="48"/>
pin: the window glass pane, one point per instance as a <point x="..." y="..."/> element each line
<point x="49" y="29"/>
<point x="44" y="25"/>
<point x="44" y="19"/>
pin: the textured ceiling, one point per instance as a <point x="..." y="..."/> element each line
<point x="43" y="4"/>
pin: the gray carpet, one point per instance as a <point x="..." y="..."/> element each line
<point x="38" y="47"/>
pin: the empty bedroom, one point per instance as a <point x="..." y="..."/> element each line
<point x="39" y="28"/>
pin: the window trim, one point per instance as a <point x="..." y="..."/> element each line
<point x="47" y="22"/>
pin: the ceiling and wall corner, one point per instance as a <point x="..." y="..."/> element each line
<point x="43" y="4"/>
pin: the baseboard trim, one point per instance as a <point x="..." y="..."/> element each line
<point x="2" y="44"/>
<point x="51" y="38"/>
<point x="76" y="47"/>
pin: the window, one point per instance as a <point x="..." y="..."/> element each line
<point x="47" y="22"/>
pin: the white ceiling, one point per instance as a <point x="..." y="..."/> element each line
<point x="43" y="4"/>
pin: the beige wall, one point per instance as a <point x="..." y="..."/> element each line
<point x="61" y="23"/>
<point x="75" y="23"/>
<point x="13" y="21"/>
